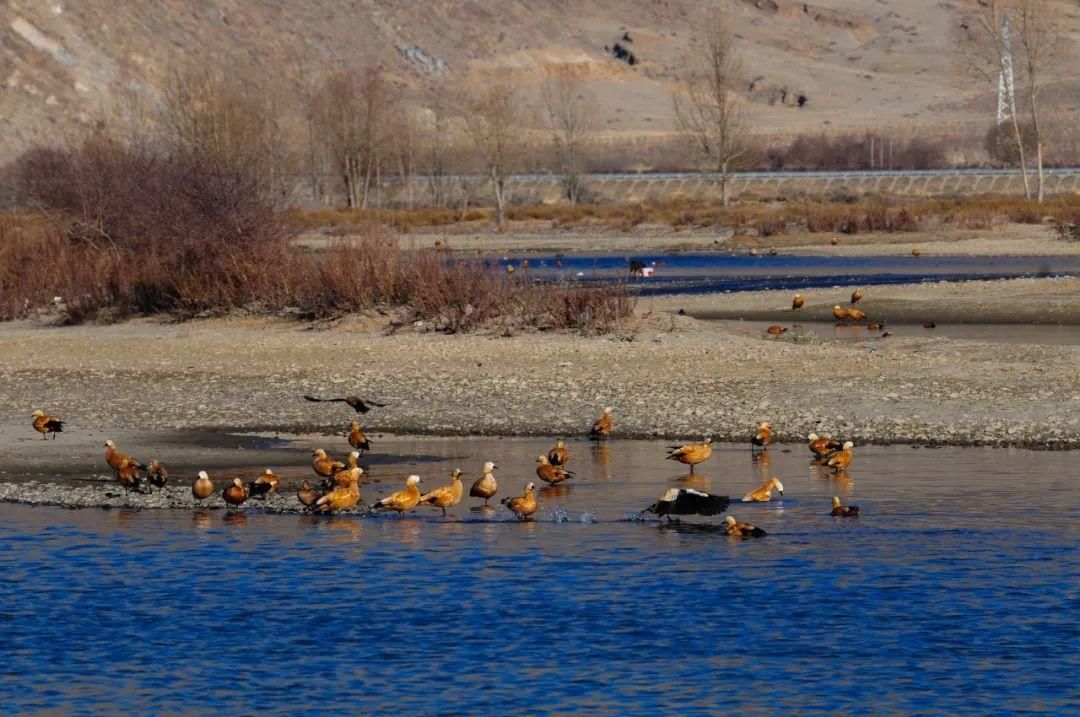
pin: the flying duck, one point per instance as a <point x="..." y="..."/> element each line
<point x="841" y="459"/>
<point x="823" y="446"/>
<point x="403" y="500"/>
<point x="690" y="453"/>
<point x="447" y="496"/>
<point x="202" y="487"/>
<point x="235" y="494"/>
<point x="601" y="428"/>
<point x="844" y="511"/>
<point x="357" y="438"/>
<point x="355" y="402"/>
<point x="525" y="505"/>
<point x="324" y="466"/>
<point x="549" y="473"/>
<point x="736" y="529"/>
<point x="762" y="437"/>
<point x="763" y="493"/>
<point x="798" y="302"/>
<point x="558" y="456"/>
<point x="46" y="424"/>
<point x="687" y="501"/>
<point x="264" y="485"/>
<point x="158" y="474"/>
<point x="485" y="486"/>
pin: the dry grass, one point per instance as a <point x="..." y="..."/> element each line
<point x="880" y="214"/>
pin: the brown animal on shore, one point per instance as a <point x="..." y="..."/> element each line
<point x="690" y="454"/>
<point x="345" y="475"/>
<point x="403" y="500"/>
<point x="915" y="252"/>
<point x="856" y="296"/>
<point x="834" y="241"/>
<point x="118" y="460"/>
<point x="844" y="511"/>
<point x="839" y="313"/>
<point x="324" y="466"/>
<point x="525" y="505"/>
<point x="601" y="428"/>
<point x="446" y="496"/>
<point x="307" y="495"/>
<point x="158" y="474"/>
<point x="45" y="424"/>
<point x="264" y="485"/>
<point x="485" y="486"/>
<point x="798" y="302"/>
<point x="856" y="314"/>
<point x="340" y="498"/>
<point x="128" y="476"/>
<point x="202" y="487"/>
<point x="235" y="494"/>
<point x="551" y="474"/>
<point x="775" y="330"/>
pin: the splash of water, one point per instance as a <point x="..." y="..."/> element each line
<point x="588" y="517"/>
<point x="559" y="515"/>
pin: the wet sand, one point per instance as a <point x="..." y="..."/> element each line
<point x="665" y="375"/>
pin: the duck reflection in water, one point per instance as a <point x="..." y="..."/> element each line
<point x="235" y="517"/>
<point x="202" y="519"/>
<point x="696" y="481"/>
<point x="560" y="490"/>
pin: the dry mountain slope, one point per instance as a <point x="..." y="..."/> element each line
<point x="855" y="61"/>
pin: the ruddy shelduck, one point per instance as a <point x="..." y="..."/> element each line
<point x="345" y="475"/>
<point x="357" y="438"/>
<point x="118" y="460"/>
<point x="202" y="487"/>
<point x="840" y="313"/>
<point x="690" y="454"/>
<point x="485" y="486"/>
<point x="798" y="302"/>
<point x="549" y="473"/>
<point x="601" y="428"/>
<point x="763" y="493"/>
<point x="157" y="474"/>
<point x="340" y="498"/>
<point x="856" y="314"/>
<point x="841" y="459"/>
<point x="735" y="529"/>
<point x="776" y="330"/>
<point x="356" y="403"/>
<point x="234" y="495"/>
<point x="46" y="424"/>
<point x="525" y="505"/>
<point x="856" y="296"/>
<point x="558" y="456"/>
<point x="762" y="437"/>
<point x="844" y="511"/>
<point x="687" y="501"/>
<point x="308" y="495"/>
<point x="822" y="446"/>
<point x="128" y="476"/>
<point x="264" y="485"/>
<point x="324" y="466"/>
<point x="446" y="496"/>
<point x="403" y="500"/>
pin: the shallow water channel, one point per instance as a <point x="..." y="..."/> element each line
<point x="955" y="591"/>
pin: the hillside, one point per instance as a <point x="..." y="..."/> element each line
<point x="856" y="62"/>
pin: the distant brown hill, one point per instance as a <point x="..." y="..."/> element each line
<point x="847" y="62"/>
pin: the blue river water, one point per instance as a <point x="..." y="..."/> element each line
<point x="955" y="592"/>
<point x="715" y="272"/>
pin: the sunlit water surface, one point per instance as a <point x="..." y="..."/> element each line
<point x="955" y="592"/>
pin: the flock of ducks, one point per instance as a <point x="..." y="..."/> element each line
<point x="842" y="314"/>
<point x="339" y="487"/>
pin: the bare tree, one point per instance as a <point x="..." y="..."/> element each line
<point x="494" y="121"/>
<point x="1041" y="43"/>
<point x="1015" y="46"/>
<point x="436" y="141"/>
<point x="569" y="120"/>
<point x="708" y="108"/>
<point x="354" y="118"/>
